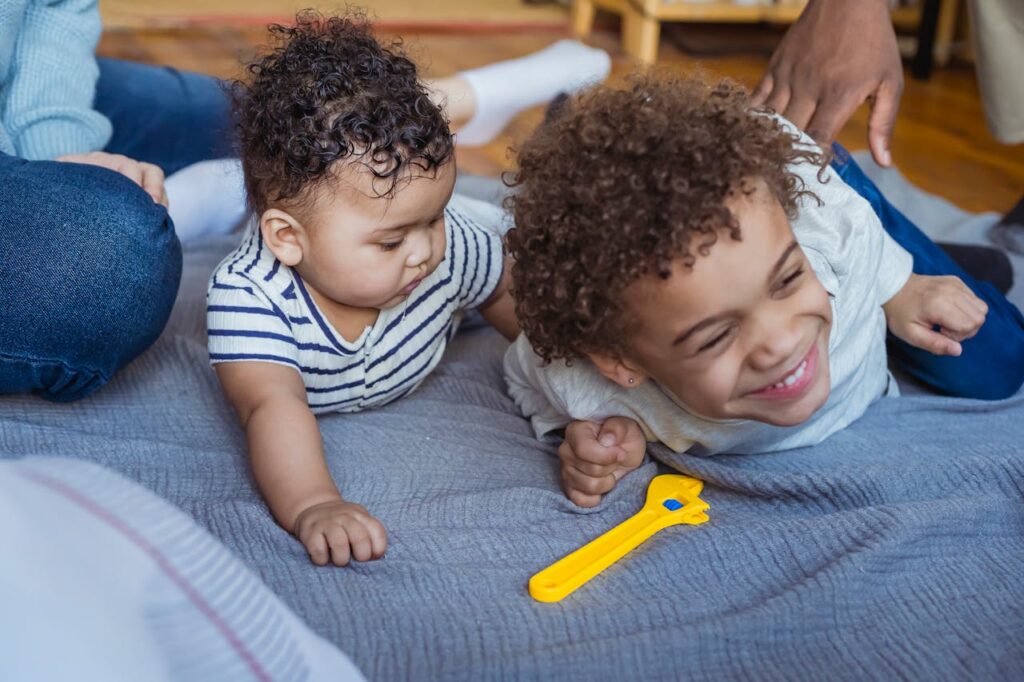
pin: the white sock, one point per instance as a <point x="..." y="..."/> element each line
<point x="206" y="198"/>
<point x="504" y="89"/>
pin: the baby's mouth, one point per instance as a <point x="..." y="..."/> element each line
<point x="408" y="289"/>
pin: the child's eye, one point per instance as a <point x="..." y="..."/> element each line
<point x="391" y="246"/>
<point x="791" y="278"/>
<point x="715" y="341"/>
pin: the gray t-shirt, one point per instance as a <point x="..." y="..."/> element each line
<point x="858" y="264"/>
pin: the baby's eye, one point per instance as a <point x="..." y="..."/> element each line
<point x="391" y="246"/>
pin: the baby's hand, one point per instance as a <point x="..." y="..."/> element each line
<point x="595" y="456"/>
<point x="935" y="313"/>
<point x="337" y="530"/>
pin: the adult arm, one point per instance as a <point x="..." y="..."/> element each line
<point x="838" y="54"/>
<point x="52" y="81"/>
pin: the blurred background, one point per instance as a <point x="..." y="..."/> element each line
<point x="941" y="142"/>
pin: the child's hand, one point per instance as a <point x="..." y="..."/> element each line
<point x="926" y="303"/>
<point x="595" y="456"/>
<point x="337" y="530"/>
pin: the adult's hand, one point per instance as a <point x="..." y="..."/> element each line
<point x="145" y="175"/>
<point x="837" y="54"/>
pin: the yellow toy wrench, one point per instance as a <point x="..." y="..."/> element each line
<point x="671" y="499"/>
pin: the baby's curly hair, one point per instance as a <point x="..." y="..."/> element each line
<point x="325" y="91"/>
<point x="619" y="184"/>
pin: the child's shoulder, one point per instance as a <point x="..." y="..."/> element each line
<point x="470" y="213"/>
<point x="251" y="274"/>
<point x="473" y="264"/>
<point x="575" y="388"/>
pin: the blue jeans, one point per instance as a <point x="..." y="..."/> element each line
<point x="991" y="366"/>
<point x="89" y="264"/>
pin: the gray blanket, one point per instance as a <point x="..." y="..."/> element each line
<point x="892" y="551"/>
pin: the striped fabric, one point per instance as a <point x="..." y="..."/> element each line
<point x="146" y="595"/>
<point x="260" y="310"/>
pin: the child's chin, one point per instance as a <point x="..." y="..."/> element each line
<point x="799" y="413"/>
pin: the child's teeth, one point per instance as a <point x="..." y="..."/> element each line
<point x="792" y="378"/>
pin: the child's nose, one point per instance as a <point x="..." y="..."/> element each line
<point x="775" y="345"/>
<point x="419" y="253"/>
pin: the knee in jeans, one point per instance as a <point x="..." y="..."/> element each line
<point x="135" y="240"/>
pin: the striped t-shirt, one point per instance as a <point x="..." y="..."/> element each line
<point x="260" y="310"/>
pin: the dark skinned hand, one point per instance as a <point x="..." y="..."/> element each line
<point x="838" y="54"/>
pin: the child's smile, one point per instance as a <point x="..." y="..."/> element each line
<point x="743" y="334"/>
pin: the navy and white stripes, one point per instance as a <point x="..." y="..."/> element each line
<point x="260" y="310"/>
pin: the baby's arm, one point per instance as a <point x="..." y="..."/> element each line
<point x="935" y="313"/>
<point x="499" y="309"/>
<point x="288" y="463"/>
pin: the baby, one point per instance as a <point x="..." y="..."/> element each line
<point x="691" y="272"/>
<point x="352" y="277"/>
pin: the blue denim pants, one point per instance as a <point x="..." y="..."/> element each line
<point x="991" y="366"/>
<point x="89" y="264"/>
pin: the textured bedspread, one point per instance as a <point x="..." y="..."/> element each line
<point x="895" y="550"/>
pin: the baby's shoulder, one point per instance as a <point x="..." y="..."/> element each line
<point x="480" y="213"/>
<point x="251" y="276"/>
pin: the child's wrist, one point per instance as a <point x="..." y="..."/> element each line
<point x="307" y="504"/>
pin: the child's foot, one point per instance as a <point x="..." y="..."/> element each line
<point x="504" y="89"/>
<point x="206" y="199"/>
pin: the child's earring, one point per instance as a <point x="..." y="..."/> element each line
<point x="632" y="380"/>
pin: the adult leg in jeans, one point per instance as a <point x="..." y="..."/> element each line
<point x="991" y="366"/>
<point x="89" y="267"/>
<point x="164" y="116"/>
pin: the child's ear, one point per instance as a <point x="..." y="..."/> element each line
<point x="618" y="369"/>
<point x="283" y="235"/>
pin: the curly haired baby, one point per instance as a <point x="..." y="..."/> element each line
<point x="689" y="271"/>
<point x="352" y="277"/>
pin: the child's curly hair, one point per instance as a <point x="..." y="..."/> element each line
<point x="328" y="91"/>
<point x="622" y="182"/>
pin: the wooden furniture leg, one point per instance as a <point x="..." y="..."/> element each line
<point x="582" y="17"/>
<point x="946" y="31"/>
<point x="640" y="31"/>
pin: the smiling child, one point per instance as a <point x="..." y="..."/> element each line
<point x="691" y="272"/>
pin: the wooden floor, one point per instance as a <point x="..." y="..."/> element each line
<point x="941" y="141"/>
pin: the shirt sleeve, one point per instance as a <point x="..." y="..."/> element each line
<point x="841" y="226"/>
<point x="244" y="325"/>
<point x="894" y="269"/>
<point x="534" y="394"/>
<point x="48" y="108"/>
<point x="477" y="253"/>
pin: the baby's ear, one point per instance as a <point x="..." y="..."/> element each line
<point x="284" y="236"/>
<point x="620" y="370"/>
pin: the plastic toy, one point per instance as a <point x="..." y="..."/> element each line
<point x="671" y="499"/>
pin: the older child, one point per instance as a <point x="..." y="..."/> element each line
<point x="689" y="271"/>
<point x="354" y="273"/>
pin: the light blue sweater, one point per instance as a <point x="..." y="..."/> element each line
<point x="48" y="76"/>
